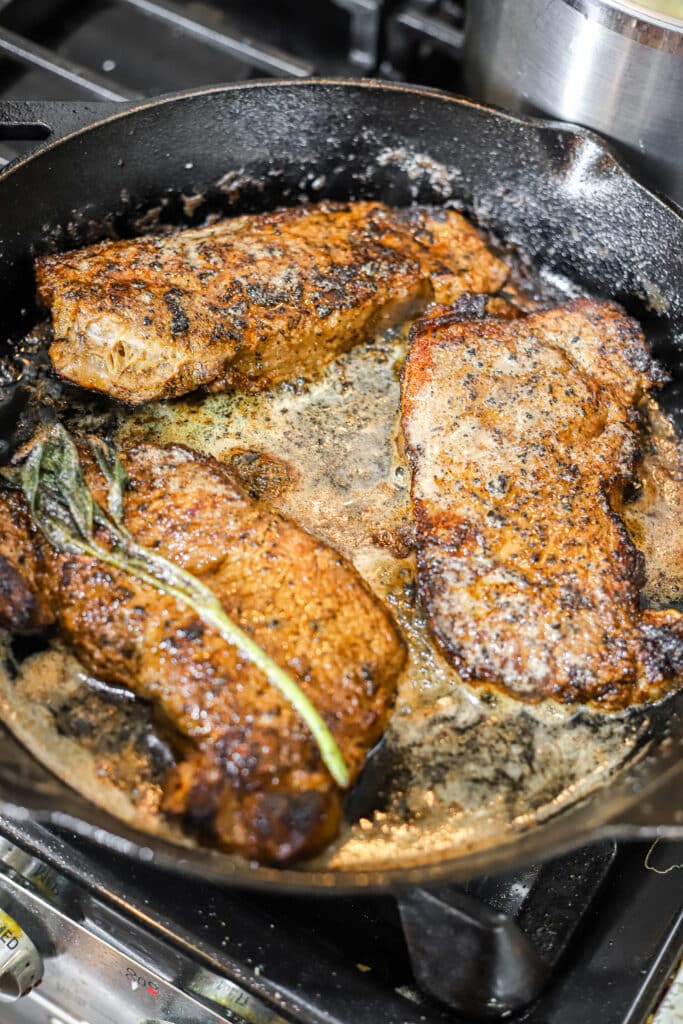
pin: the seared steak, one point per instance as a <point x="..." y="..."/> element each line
<point x="249" y="772"/>
<point x="521" y="435"/>
<point x="254" y="300"/>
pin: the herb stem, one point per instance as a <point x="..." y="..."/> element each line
<point x="211" y="612"/>
<point x="63" y="508"/>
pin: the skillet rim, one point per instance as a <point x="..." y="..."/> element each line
<point x="133" y="106"/>
<point x="515" y="849"/>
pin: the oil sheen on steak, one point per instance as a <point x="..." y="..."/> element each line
<point x="521" y="436"/>
<point x="252" y="300"/>
<point x="248" y="772"/>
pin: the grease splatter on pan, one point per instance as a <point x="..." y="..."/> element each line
<point x="458" y="769"/>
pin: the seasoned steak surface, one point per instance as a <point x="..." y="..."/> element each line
<point x="249" y="772"/>
<point x="252" y="300"/>
<point x="521" y="435"/>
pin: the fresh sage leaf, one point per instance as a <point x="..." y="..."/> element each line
<point x="111" y="468"/>
<point x="62" y="506"/>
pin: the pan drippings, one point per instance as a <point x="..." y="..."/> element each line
<point x="463" y="766"/>
<point x="458" y="769"/>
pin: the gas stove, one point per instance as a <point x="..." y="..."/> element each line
<point x="594" y="935"/>
<point x="122" y="943"/>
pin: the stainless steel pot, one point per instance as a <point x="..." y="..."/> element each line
<point x="612" y="65"/>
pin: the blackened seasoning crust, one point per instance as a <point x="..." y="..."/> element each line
<point x="521" y="437"/>
<point x="179" y="321"/>
<point x="253" y="300"/>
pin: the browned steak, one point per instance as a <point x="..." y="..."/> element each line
<point x="249" y="771"/>
<point x="521" y="435"/>
<point x="253" y="300"/>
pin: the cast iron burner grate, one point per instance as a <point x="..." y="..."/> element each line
<point x="127" y="49"/>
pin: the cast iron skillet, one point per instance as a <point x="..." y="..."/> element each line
<point x="556" y="192"/>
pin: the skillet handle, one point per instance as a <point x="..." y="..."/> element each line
<point x="46" y="120"/>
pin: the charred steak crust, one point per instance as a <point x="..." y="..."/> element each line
<point x="521" y="435"/>
<point x="252" y="300"/>
<point x="249" y="773"/>
<point x="24" y="606"/>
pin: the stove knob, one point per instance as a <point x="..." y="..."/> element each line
<point x="21" y="966"/>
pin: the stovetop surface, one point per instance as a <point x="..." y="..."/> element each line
<point x="627" y="945"/>
<point x="334" y="959"/>
<point x="126" y="49"/>
<point x="341" y="959"/>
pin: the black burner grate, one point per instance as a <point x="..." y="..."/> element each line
<point x="127" y="49"/>
<point x="121" y="49"/>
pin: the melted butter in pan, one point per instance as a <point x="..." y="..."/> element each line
<point x="97" y="738"/>
<point x="465" y="767"/>
<point x="339" y="472"/>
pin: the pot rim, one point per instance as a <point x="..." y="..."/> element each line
<point x="632" y="19"/>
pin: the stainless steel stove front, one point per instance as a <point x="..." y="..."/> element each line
<point x="66" y="958"/>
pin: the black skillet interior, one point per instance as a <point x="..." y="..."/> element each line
<point x="555" y="194"/>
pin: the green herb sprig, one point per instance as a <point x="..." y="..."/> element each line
<point x="62" y="506"/>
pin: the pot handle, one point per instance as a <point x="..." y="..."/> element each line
<point x="47" y="120"/>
